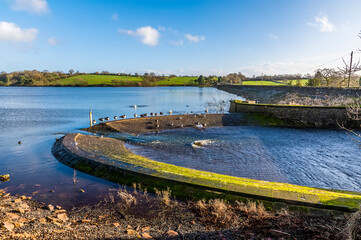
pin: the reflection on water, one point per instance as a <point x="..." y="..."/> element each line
<point x="36" y="116"/>
<point x="310" y="157"/>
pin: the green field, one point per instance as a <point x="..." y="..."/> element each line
<point x="180" y="81"/>
<point x="96" y="80"/>
<point x="114" y="80"/>
<point x="292" y="82"/>
<point x="264" y="83"/>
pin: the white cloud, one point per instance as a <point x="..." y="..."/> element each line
<point x="323" y="24"/>
<point x="115" y="16"/>
<point x="193" y="38"/>
<point x="31" y="6"/>
<point x="177" y="43"/>
<point x="10" y="32"/>
<point x="160" y="28"/>
<point x="53" y="41"/>
<point x="148" y="35"/>
<point x="274" y="37"/>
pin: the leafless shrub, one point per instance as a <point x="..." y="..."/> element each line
<point x="127" y="198"/>
<point x="252" y="208"/>
<point x="354" y="226"/>
<point x="216" y="212"/>
<point x="164" y="196"/>
<point x="354" y="111"/>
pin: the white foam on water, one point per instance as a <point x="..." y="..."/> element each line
<point x="201" y="143"/>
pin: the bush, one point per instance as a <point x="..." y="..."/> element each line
<point x="314" y="82"/>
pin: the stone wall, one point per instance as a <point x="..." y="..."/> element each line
<point x="308" y="116"/>
<point x="271" y="94"/>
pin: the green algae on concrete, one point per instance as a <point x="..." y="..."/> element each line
<point x="108" y="153"/>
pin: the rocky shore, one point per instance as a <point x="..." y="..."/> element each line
<point x="139" y="215"/>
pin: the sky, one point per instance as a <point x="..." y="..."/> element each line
<point x="183" y="37"/>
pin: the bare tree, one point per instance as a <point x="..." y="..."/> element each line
<point x="329" y="77"/>
<point x="349" y="69"/>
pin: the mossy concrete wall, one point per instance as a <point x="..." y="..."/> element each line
<point x="109" y="159"/>
<point x="309" y="116"/>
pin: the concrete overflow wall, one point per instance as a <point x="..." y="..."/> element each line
<point x="108" y="158"/>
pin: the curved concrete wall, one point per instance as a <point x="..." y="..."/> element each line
<point x="109" y="159"/>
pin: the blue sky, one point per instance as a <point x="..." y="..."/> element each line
<point x="181" y="37"/>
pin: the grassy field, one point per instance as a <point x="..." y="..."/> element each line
<point x="264" y="83"/>
<point x="292" y="82"/>
<point x="113" y="80"/>
<point x="96" y="80"/>
<point x="180" y="81"/>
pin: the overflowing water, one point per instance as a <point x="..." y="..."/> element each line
<point x="311" y="157"/>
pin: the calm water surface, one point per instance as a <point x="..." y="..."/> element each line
<point x="36" y="116"/>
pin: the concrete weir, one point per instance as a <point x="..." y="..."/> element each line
<point x="108" y="158"/>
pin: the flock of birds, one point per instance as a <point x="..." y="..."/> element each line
<point x="145" y="115"/>
<point x="135" y="115"/>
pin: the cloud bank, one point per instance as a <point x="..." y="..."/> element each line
<point x="10" y="32"/>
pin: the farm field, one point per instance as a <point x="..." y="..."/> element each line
<point x="114" y="80"/>
<point x="292" y="82"/>
<point x="91" y="80"/>
<point x="179" y="81"/>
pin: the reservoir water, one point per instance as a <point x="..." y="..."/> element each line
<point x="36" y="116"/>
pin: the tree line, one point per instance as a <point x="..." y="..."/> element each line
<point x="326" y="77"/>
<point x="32" y="78"/>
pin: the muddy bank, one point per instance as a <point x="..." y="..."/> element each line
<point x="159" y="123"/>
